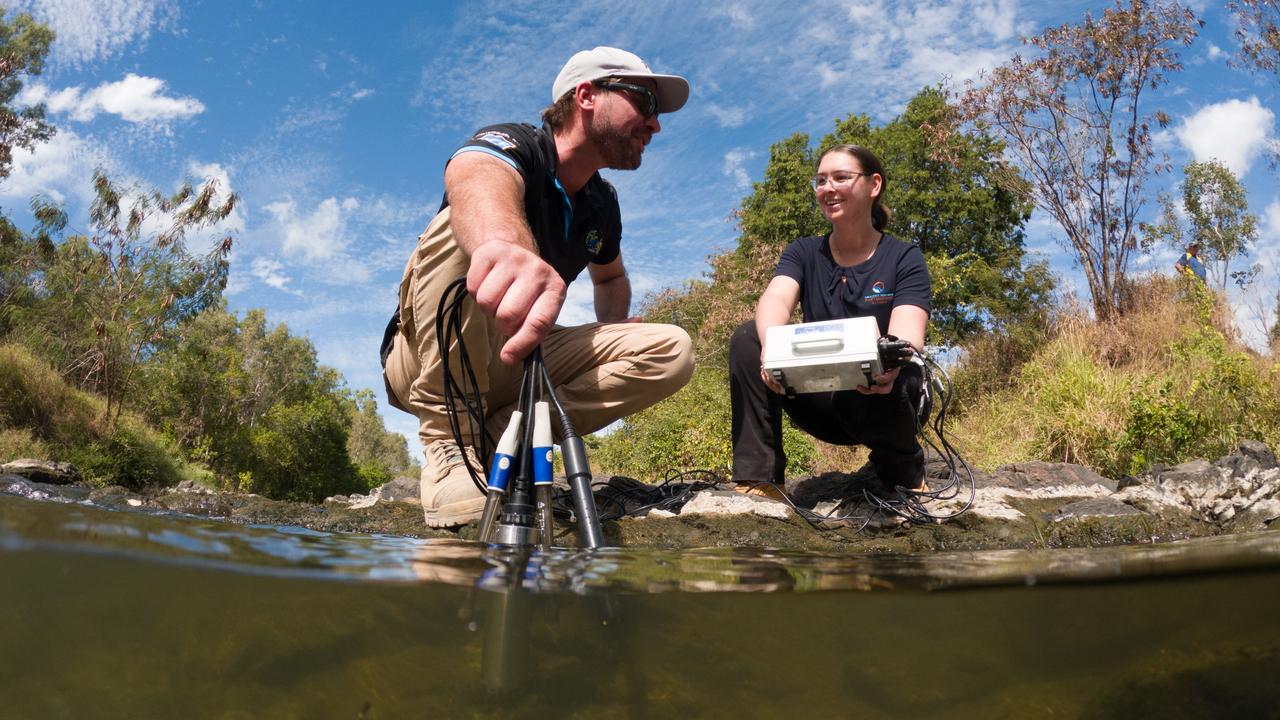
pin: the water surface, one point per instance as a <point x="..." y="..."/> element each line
<point x="117" y="614"/>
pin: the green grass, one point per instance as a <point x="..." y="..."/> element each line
<point x="43" y="417"/>
<point x="1165" y="383"/>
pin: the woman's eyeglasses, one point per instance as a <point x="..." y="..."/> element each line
<point x="646" y="101"/>
<point x="836" y="179"/>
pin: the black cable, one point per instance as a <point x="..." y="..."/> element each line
<point x="909" y="504"/>
<point x="449" y="321"/>
<point x="550" y="386"/>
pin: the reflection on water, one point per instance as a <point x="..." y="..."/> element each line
<point x="123" y="614"/>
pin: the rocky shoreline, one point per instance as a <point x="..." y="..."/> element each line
<point x="1025" y="505"/>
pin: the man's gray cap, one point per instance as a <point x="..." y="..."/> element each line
<point x="605" y="62"/>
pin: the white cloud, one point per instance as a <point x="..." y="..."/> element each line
<point x="1271" y="224"/>
<point x="271" y="273"/>
<point x="998" y="18"/>
<point x="828" y="76"/>
<point x="236" y="284"/>
<point x="59" y="169"/>
<point x="315" y="117"/>
<point x="958" y="63"/>
<point x="136" y="99"/>
<point x="864" y="55"/>
<point x="1215" y="52"/>
<point x="90" y="30"/>
<point x="739" y="17"/>
<point x="860" y="12"/>
<point x="371" y="305"/>
<point x="728" y="117"/>
<point x="318" y="235"/>
<point x="734" y="166"/>
<point x="579" y="303"/>
<point x="1234" y="132"/>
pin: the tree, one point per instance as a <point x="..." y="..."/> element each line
<point x="300" y="452"/>
<point x="1273" y="336"/>
<point x="24" y="44"/>
<point x="213" y="390"/>
<point x="253" y="403"/>
<point x="1220" y="220"/>
<point x="108" y="301"/>
<point x="19" y="258"/>
<point x="373" y="449"/>
<point x="1258" y="32"/>
<point x="1217" y="218"/>
<point x="1074" y="120"/>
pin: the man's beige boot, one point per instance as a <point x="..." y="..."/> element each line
<point x="450" y="497"/>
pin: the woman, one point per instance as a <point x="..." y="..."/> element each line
<point x="854" y="270"/>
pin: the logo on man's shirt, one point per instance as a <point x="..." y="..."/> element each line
<point x="497" y="138"/>
<point x="593" y="242"/>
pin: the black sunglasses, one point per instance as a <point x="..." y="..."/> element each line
<point x="646" y="100"/>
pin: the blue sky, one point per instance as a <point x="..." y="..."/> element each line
<point x="332" y="121"/>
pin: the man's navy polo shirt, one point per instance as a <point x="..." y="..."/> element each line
<point x="568" y="235"/>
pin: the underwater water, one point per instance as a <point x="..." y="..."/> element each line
<point x="117" y="614"/>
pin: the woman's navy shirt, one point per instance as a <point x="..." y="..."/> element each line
<point x="894" y="275"/>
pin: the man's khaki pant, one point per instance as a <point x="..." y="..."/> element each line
<point x="602" y="371"/>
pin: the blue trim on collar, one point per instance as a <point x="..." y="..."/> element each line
<point x="568" y="208"/>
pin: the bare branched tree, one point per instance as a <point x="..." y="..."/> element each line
<point x="1074" y="120"/>
<point x="1258" y="31"/>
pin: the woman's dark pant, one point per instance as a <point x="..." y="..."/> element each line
<point x="884" y="423"/>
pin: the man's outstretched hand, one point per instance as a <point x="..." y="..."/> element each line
<point x="521" y="291"/>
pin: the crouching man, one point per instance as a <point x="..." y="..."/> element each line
<point x="525" y="211"/>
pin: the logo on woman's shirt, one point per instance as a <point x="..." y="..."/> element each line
<point x="878" y="295"/>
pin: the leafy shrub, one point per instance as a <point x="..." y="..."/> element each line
<point x="301" y="453"/>
<point x="128" y="458"/>
<point x="236" y="393"/>
<point x="1212" y="397"/>
<point x="372" y="474"/>
<point x="1160" y="428"/>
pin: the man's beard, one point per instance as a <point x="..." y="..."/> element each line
<point x="616" y="147"/>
